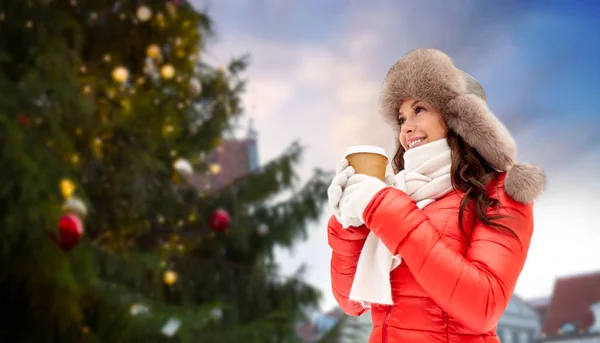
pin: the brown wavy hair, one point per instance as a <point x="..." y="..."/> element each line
<point x="470" y="173"/>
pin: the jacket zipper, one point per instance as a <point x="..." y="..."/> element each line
<point x="384" y="328"/>
<point x="446" y="326"/>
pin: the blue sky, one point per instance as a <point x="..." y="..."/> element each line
<point x="317" y="68"/>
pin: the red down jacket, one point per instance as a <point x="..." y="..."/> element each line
<point x="449" y="287"/>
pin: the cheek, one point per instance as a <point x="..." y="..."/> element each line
<point x="401" y="139"/>
<point x="435" y="128"/>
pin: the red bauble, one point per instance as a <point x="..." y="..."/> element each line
<point x="220" y="220"/>
<point x="70" y="231"/>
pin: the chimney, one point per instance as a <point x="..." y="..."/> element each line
<point x="595" y="308"/>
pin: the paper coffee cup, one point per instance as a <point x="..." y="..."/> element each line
<point x="368" y="159"/>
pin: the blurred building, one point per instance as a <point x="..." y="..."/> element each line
<point x="520" y="322"/>
<point x="348" y="328"/>
<point x="232" y="159"/>
<point x="573" y="313"/>
<point x="540" y="305"/>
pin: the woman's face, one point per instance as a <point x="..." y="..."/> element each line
<point x="419" y="124"/>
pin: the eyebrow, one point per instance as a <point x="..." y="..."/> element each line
<point x="411" y="105"/>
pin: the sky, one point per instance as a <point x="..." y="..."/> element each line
<point x="316" y="72"/>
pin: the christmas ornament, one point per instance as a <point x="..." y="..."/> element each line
<point x="262" y="229"/>
<point x="168" y="129"/>
<point x="137" y="309"/>
<point x="220" y="220"/>
<point x="153" y="51"/>
<point x="67" y="187"/>
<point x="97" y="147"/>
<point x="76" y="206"/>
<point x="215" y="168"/>
<point x="171" y="327"/>
<point x="216" y="313"/>
<point x="23" y="120"/>
<point x="75" y="159"/>
<point x="195" y="86"/>
<point x="120" y="74"/>
<point x="183" y="167"/>
<point x="70" y="231"/>
<point x="144" y="13"/>
<point x="167" y="71"/>
<point x="170" y="277"/>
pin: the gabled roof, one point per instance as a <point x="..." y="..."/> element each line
<point x="571" y="301"/>
<point x="519" y="314"/>
<point x="518" y="306"/>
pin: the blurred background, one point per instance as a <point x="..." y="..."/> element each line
<point x="165" y="162"/>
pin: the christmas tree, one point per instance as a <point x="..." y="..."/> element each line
<point x="110" y="230"/>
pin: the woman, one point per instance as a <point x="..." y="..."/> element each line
<point x="435" y="251"/>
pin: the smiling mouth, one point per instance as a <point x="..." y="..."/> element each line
<point x="416" y="142"/>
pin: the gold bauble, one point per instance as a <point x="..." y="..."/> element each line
<point x="167" y="71"/>
<point x="170" y="277"/>
<point x="67" y="188"/>
<point x="215" y="168"/>
<point x="153" y="51"/>
<point x="144" y="13"/>
<point x="120" y="74"/>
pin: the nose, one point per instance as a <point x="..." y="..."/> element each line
<point x="407" y="128"/>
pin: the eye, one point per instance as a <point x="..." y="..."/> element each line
<point x="400" y="121"/>
<point x="420" y="109"/>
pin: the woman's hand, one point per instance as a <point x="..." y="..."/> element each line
<point x="357" y="194"/>
<point x="334" y="192"/>
<point x="390" y="180"/>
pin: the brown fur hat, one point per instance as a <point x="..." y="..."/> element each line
<point x="430" y="75"/>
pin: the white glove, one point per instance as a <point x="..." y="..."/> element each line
<point x="390" y="180"/>
<point x="334" y="192"/>
<point x="358" y="193"/>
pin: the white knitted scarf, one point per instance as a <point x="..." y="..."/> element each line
<point x="425" y="178"/>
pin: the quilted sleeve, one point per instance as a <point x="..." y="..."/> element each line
<point x="474" y="289"/>
<point x="346" y="245"/>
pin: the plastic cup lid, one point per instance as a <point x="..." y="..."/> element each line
<point x="365" y="148"/>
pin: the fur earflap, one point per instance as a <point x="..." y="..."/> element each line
<point x="525" y="182"/>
